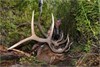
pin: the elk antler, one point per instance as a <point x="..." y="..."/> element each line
<point x="56" y="43"/>
<point x="34" y="37"/>
<point x="60" y="50"/>
<point x="47" y="40"/>
<point x="60" y="41"/>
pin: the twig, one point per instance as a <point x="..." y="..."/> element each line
<point x="24" y="53"/>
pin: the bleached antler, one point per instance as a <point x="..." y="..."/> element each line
<point x="47" y="40"/>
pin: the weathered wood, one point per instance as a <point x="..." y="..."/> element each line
<point x="12" y="54"/>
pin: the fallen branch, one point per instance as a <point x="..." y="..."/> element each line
<point x="22" y="52"/>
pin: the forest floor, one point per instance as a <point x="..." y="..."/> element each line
<point x="81" y="59"/>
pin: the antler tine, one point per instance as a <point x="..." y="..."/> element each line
<point x="40" y="28"/>
<point x="69" y="46"/>
<point x="61" y="37"/>
<point x="32" y="24"/>
<point x="52" y="27"/>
